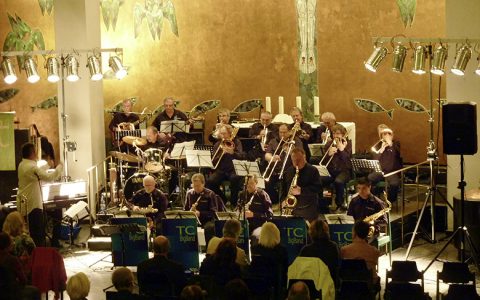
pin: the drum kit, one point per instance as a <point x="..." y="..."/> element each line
<point x="149" y="162"/>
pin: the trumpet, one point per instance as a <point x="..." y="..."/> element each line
<point x="327" y="135"/>
<point x="290" y="201"/>
<point x="265" y="133"/>
<point x="226" y="143"/>
<point x="374" y="147"/>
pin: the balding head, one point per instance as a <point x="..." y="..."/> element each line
<point x="299" y="291"/>
<point x="161" y="245"/>
<point x="149" y="183"/>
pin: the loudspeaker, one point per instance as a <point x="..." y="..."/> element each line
<point x="459" y="128"/>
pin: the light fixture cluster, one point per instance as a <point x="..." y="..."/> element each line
<point x="53" y="66"/>
<point x="421" y="52"/>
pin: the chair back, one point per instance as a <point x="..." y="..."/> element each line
<point x="353" y="290"/>
<point x="354" y="270"/>
<point x="404" y="271"/>
<point x="460" y="291"/>
<point x="48" y="270"/>
<point x="157" y="284"/>
<point x="404" y="290"/>
<point x="456" y="272"/>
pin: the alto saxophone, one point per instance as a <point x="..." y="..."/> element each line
<point x="194" y="205"/>
<point x="377" y="215"/>
<point x="290" y="201"/>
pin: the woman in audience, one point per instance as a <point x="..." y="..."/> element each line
<point x="23" y="244"/>
<point x="221" y="265"/>
<point x="78" y="286"/>
<point x="323" y="247"/>
<point x="123" y="281"/>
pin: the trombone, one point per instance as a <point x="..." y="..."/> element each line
<point x="230" y="143"/>
<point x="333" y="144"/>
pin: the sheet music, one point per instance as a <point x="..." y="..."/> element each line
<point x="179" y="149"/>
<point x="322" y="170"/>
<point x="199" y="158"/>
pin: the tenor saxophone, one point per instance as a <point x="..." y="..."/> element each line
<point x="290" y="201"/>
<point x="377" y="215"/>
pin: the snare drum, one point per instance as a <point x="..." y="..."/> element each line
<point x="153" y="160"/>
<point x="133" y="184"/>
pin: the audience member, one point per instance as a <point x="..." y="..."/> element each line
<point x="231" y="230"/>
<point x="360" y="249"/>
<point x="123" y="281"/>
<point x="323" y="247"/>
<point x="158" y="268"/>
<point x="192" y="292"/>
<point x="236" y="289"/>
<point x="78" y="286"/>
<point x="221" y="265"/>
<point x="299" y="291"/>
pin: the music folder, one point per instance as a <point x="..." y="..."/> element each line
<point x="322" y="170"/>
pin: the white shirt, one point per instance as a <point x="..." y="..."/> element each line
<point x="29" y="176"/>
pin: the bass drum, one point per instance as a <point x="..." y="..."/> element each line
<point x="135" y="183"/>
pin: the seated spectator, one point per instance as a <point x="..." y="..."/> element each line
<point x="23" y="244"/>
<point x="236" y="289"/>
<point x="149" y="272"/>
<point x="123" y="281"/>
<point x="299" y="291"/>
<point x="192" y="292"/>
<point x="360" y="249"/>
<point x="78" y="286"/>
<point x="231" y="230"/>
<point x="221" y="265"/>
<point x="13" y="279"/>
<point x="323" y="247"/>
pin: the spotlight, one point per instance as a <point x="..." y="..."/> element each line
<point x="30" y="67"/>
<point x="376" y="58"/>
<point x="399" y="54"/>
<point x="116" y="64"/>
<point x="439" y="57"/>
<point x="93" y="64"/>
<point x="72" y="68"/>
<point x="461" y="60"/>
<point x="419" y="57"/>
<point x="477" y="71"/>
<point x="53" y="67"/>
<point x="8" y="71"/>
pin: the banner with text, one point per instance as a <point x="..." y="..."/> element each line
<point x="293" y="234"/>
<point x="182" y="234"/>
<point x="7" y="142"/>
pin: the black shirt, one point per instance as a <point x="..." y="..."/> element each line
<point x="123" y="118"/>
<point x="360" y="208"/>
<point x="177" y="115"/>
<point x="226" y="163"/>
<point x="390" y="159"/>
<point x="260" y="205"/>
<point x="273" y="145"/>
<point x="207" y="204"/>
<point x="156" y="198"/>
<point x="272" y="132"/>
<point x="341" y="159"/>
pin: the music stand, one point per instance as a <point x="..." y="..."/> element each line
<point x="339" y="219"/>
<point x="366" y="165"/>
<point x="72" y="212"/>
<point x="179" y="149"/>
<point x="199" y="159"/>
<point x="245" y="168"/>
<point x="173" y="126"/>
<point x="322" y="170"/>
<point x="316" y="150"/>
<point x="225" y="215"/>
<point x="181" y="214"/>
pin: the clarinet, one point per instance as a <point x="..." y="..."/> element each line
<point x="194" y="205"/>
<point x="247" y="206"/>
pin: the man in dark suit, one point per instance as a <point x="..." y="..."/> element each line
<point x="160" y="269"/>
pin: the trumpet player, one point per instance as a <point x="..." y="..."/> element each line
<point x="223" y="119"/>
<point x="388" y="154"/>
<point x="276" y="156"/>
<point x="205" y="203"/>
<point x="324" y="131"/>
<point x="339" y="166"/>
<point x="305" y="133"/>
<point x="232" y="149"/>
<point x="264" y="130"/>
<point x="307" y="188"/>
<point x="255" y="201"/>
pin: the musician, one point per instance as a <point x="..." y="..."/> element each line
<point x="305" y="133"/>
<point x="150" y="197"/>
<point x="225" y="169"/>
<point x="275" y="146"/>
<point x="170" y="114"/>
<point x="365" y="204"/>
<point x="308" y="186"/>
<point x="205" y="203"/>
<point x="123" y="118"/>
<point x="340" y="166"/>
<point x="255" y="200"/>
<point x="153" y="139"/>
<point x="328" y="121"/>
<point x="390" y="160"/>
<point x="223" y="119"/>
<point x="265" y="125"/>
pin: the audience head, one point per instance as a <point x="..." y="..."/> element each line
<point x="363" y="187"/>
<point x="122" y="279"/>
<point x="5" y="241"/>
<point x="269" y="235"/>
<point x="236" y="289"/>
<point x="232" y="229"/>
<point x="226" y="252"/>
<point x="161" y="245"/>
<point x="299" y="291"/>
<point x="14" y="224"/>
<point x="28" y="151"/>
<point x="318" y="230"/>
<point x="361" y="229"/>
<point x="78" y="286"/>
<point x="191" y="292"/>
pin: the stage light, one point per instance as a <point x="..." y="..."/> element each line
<point x="30" y="67"/>
<point x="8" y="71"/>
<point x="52" y="67"/>
<point x="477" y="71"/>
<point x="461" y="60"/>
<point x="399" y="54"/>
<point x="378" y="54"/>
<point x="116" y="64"/>
<point x="93" y="64"/>
<point x="439" y="57"/>
<point x="72" y="68"/>
<point x="419" y="57"/>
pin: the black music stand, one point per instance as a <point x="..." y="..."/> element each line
<point x="225" y="215"/>
<point x="74" y="212"/>
<point x="173" y="126"/>
<point x="245" y="168"/>
<point x="366" y="165"/>
<point x="181" y="214"/>
<point x="339" y="219"/>
<point x="178" y="154"/>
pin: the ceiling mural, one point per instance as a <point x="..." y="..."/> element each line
<point x="154" y="12"/>
<point x="110" y="9"/>
<point x="407" y="11"/>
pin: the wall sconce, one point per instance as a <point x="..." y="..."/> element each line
<point x="378" y="54"/>
<point x="461" y="60"/>
<point x="52" y="67"/>
<point x="439" y="57"/>
<point x="419" y="57"/>
<point x="9" y="74"/>
<point x="116" y="64"/>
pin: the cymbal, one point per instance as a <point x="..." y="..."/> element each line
<point x="134" y="139"/>
<point x="125" y="156"/>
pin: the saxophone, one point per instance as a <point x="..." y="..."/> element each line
<point x="290" y="201"/>
<point x="377" y="215"/>
<point x="194" y="205"/>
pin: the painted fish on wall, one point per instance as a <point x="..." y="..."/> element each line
<point x="372" y="107"/>
<point x="117" y="107"/>
<point x="203" y="107"/>
<point x="8" y="94"/>
<point x="46" y="104"/>
<point x="247" y="106"/>
<point x="411" y="105"/>
<point x="155" y="11"/>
